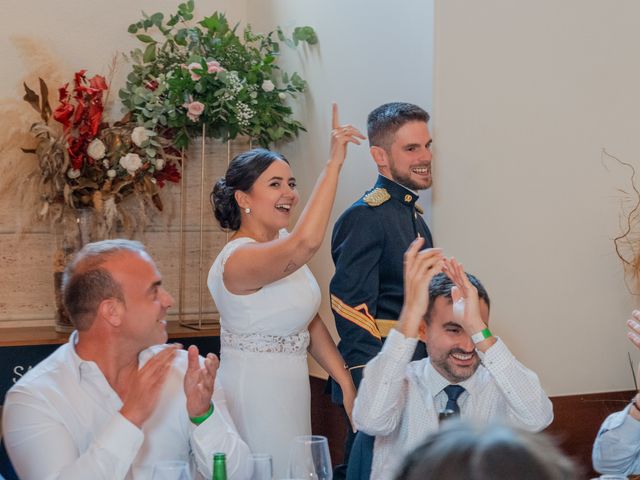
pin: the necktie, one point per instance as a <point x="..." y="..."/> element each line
<point x="453" y="393"/>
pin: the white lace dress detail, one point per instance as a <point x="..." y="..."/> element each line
<point x="295" y="344"/>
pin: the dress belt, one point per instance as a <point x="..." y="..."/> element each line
<point x="295" y="344"/>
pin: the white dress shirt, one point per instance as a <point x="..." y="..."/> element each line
<point x="617" y="446"/>
<point x="62" y="421"/>
<point x="399" y="400"/>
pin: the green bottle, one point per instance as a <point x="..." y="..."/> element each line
<point x="219" y="466"/>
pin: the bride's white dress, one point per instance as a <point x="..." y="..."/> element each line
<point x="263" y="364"/>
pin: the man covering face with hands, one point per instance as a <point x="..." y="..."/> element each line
<point x="469" y="372"/>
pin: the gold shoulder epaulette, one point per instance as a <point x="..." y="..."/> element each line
<point x="419" y="209"/>
<point x="376" y="197"/>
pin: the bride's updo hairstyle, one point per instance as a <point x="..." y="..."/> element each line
<point x="242" y="173"/>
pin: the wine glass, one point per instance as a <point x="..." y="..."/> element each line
<point x="261" y="466"/>
<point x="310" y="459"/>
<point x="171" y="470"/>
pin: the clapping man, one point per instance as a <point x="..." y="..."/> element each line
<point x="114" y="400"/>
<point x="469" y="372"/>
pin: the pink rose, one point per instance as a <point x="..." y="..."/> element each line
<point x="213" y="66"/>
<point x="191" y="67"/>
<point x="194" y="110"/>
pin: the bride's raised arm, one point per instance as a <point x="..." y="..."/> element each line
<point x="256" y="198"/>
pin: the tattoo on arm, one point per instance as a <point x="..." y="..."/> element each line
<point x="290" y="267"/>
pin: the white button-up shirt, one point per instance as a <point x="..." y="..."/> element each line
<point x="62" y="421"/>
<point x="617" y="446"/>
<point x="399" y="400"/>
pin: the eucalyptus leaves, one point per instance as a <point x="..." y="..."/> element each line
<point x="189" y="76"/>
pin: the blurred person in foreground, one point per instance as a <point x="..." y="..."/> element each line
<point x="461" y="450"/>
<point x="469" y="372"/>
<point x="115" y="400"/>
<point x="617" y="446"/>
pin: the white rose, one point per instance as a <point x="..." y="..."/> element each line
<point x="73" y="173"/>
<point x="111" y="173"/>
<point x="139" y="136"/>
<point x="268" y="86"/>
<point x="105" y="163"/>
<point x="131" y="162"/>
<point x="96" y="149"/>
<point x="159" y="163"/>
<point x="282" y="95"/>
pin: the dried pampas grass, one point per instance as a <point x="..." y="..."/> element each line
<point x="20" y="180"/>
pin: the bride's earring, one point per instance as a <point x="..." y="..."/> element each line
<point x="247" y="210"/>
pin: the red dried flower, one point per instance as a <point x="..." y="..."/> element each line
<point x="169" y="173"/>
<point x="151" y="85"/>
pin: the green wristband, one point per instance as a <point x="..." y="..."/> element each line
<point x="203" y="417"/>
<point x="481" y="335"/>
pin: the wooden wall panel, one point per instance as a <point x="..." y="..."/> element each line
<point x="26" y="278"/>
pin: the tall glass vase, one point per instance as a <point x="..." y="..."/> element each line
<point x="76" y="228"/>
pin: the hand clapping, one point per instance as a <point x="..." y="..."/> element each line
<point x="146" y="384"/>
<point x="199" y="382"/>
<point x="464" y="295"/>
<point x="419" y="268"/>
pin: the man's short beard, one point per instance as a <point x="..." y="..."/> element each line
<point x="446" y="371"/>
<point x="405" y="181"/>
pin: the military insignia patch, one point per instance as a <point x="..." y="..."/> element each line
<point x="376" y="197"/>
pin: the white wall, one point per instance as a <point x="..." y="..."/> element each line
<point x="527" y="95"/>
<point x="83" y="34"/>
<point x="370" y="52"/>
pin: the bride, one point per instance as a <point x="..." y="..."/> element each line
<point x="268" y="298"/>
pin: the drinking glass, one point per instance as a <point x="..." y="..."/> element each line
<point x="171" y="470"/>
<point x="309" y="458"/>
<point x="261" y="467"/>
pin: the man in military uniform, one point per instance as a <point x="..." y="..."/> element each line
<point x="368" y="243"/>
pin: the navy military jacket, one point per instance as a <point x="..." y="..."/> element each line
<point x="367" y="245"/>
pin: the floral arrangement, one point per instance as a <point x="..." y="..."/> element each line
<point x="191" y="79"/>
<point x="90" y="163"/>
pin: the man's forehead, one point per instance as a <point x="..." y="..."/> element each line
<point x="443" y="309"/>
<point x="442" y="306"/>
<point x="127" y="262"/>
